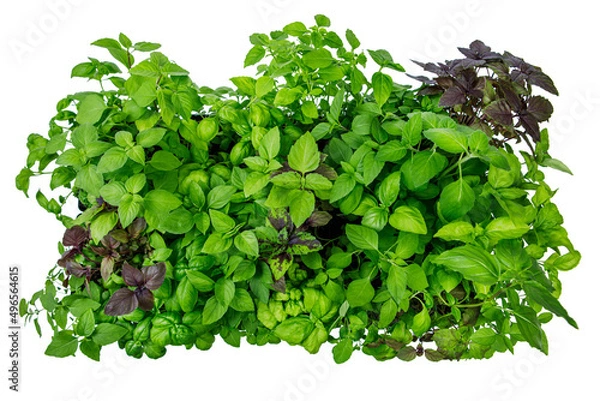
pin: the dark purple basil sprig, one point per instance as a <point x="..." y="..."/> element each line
<point x="125" y="300"/>
<point x="492" y="92"/>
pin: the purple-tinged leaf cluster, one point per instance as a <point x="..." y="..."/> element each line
<point x="492" y="92"/>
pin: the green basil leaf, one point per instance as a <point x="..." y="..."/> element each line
<point x="187" y="295"/>
<point x="421" y="168"/>
<point x="319" y="58"/>
<point x="304" y="155"/>
<point x="360" y="292"/>
<point x="246" y="242"/>
<point x="63" y="344"/>
<point x="396" y="282"/>
<point x="382" y="87"/>
<point x="472" y="262"/>
<point x="213" y="311"/>
<point x="220" y="196"/>
<point x="107" y="333"/>
<point x="342" y="186"/>
<point x="86" y="324"/>
<point x="150" y="137"/>
<point x="200" y="281"/>
<point x="408" y="219"/>
<point x="342" y="351"/>
<point x="90" y="109"/>
<point x="456" y="200"/>
<point x="448" y="139"/>
<point x="540" y="295"/>
<point x="165" y="161"/>
<point x="242" y="301"/>
<point x="302" y="205"/>
<point x="294" y="330"/>
<point x="530" y="327"/>
<point x="362" y="237"/>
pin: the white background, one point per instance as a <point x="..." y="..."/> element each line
<point x="39" y="44"/>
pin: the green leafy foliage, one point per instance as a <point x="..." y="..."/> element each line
<point x="306" y="204"/>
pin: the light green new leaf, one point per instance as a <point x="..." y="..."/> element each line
<point x="456" y="200"/>
<point x="396" y="282"/>
<point x="456" y="231"/>
<point x="255" y="181"/>
<point x="186" y="295"/>
<point x="90" y="109"/>
<point x="362" y="237"/>
<point x="270" y="144"/>
<point x="421" y="168"/>
<point x="130" y="208"/>
<point x="505" y="228"/>
<point x="246" y="242"/>
<point x="304" y="155"/>
<point x="150" y="137"/>
<point x="382" y="87"/>
<point x="213" y="311"/>
<point x="448" y="139"/>
<point x="342" y="351"/>
<point x="294" y="330"/>
<point x="102" y="224"/>
<point x="113" y="159"/>
<point x="319" y="58"/>
<point x="360" y="292"/>
<point x="302" y="205"/>
<point x="408" y="219"/>
<point x="342" y="186"/>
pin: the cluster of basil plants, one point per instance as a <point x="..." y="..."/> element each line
<point x="309" y="204"/>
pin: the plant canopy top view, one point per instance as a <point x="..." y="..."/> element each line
<point x="312" y="202"/>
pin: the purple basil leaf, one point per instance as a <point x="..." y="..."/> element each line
<point x="431" y="67"/>
<point x="540" y="108"/>
<point x="75" y="236"/>
<point x="507" y="91"/>
<point x="109" y="242"/>
<point x="500" y="112"/>
<point x="310" y="243"/>
<point x="518" y="77"/>
<point x="67" y="257"/>
<point x="99" y="250"/>
<point x="120" y="235"/>
<point x="106" y="267"/>
<point x="542" y="80"/>
<point x="145" y="299"/>
<point x="445" y="82"/>
<point x="515" y="61"/>
<point x="423" y="79"/>
<point x="326" y="171"/>
<point x="76" y="269"/>
<point x="132" y="276"/>
<point x="531" y="125"/>
<point x="452" y="97"/>
<point x="154" y="275"/>
<point x="122" y="302"/>
<point x="319" y="219"/>
<point x="279" y="285"/>
<point x="136" y="227"/>
<point x="430" y="91"/>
